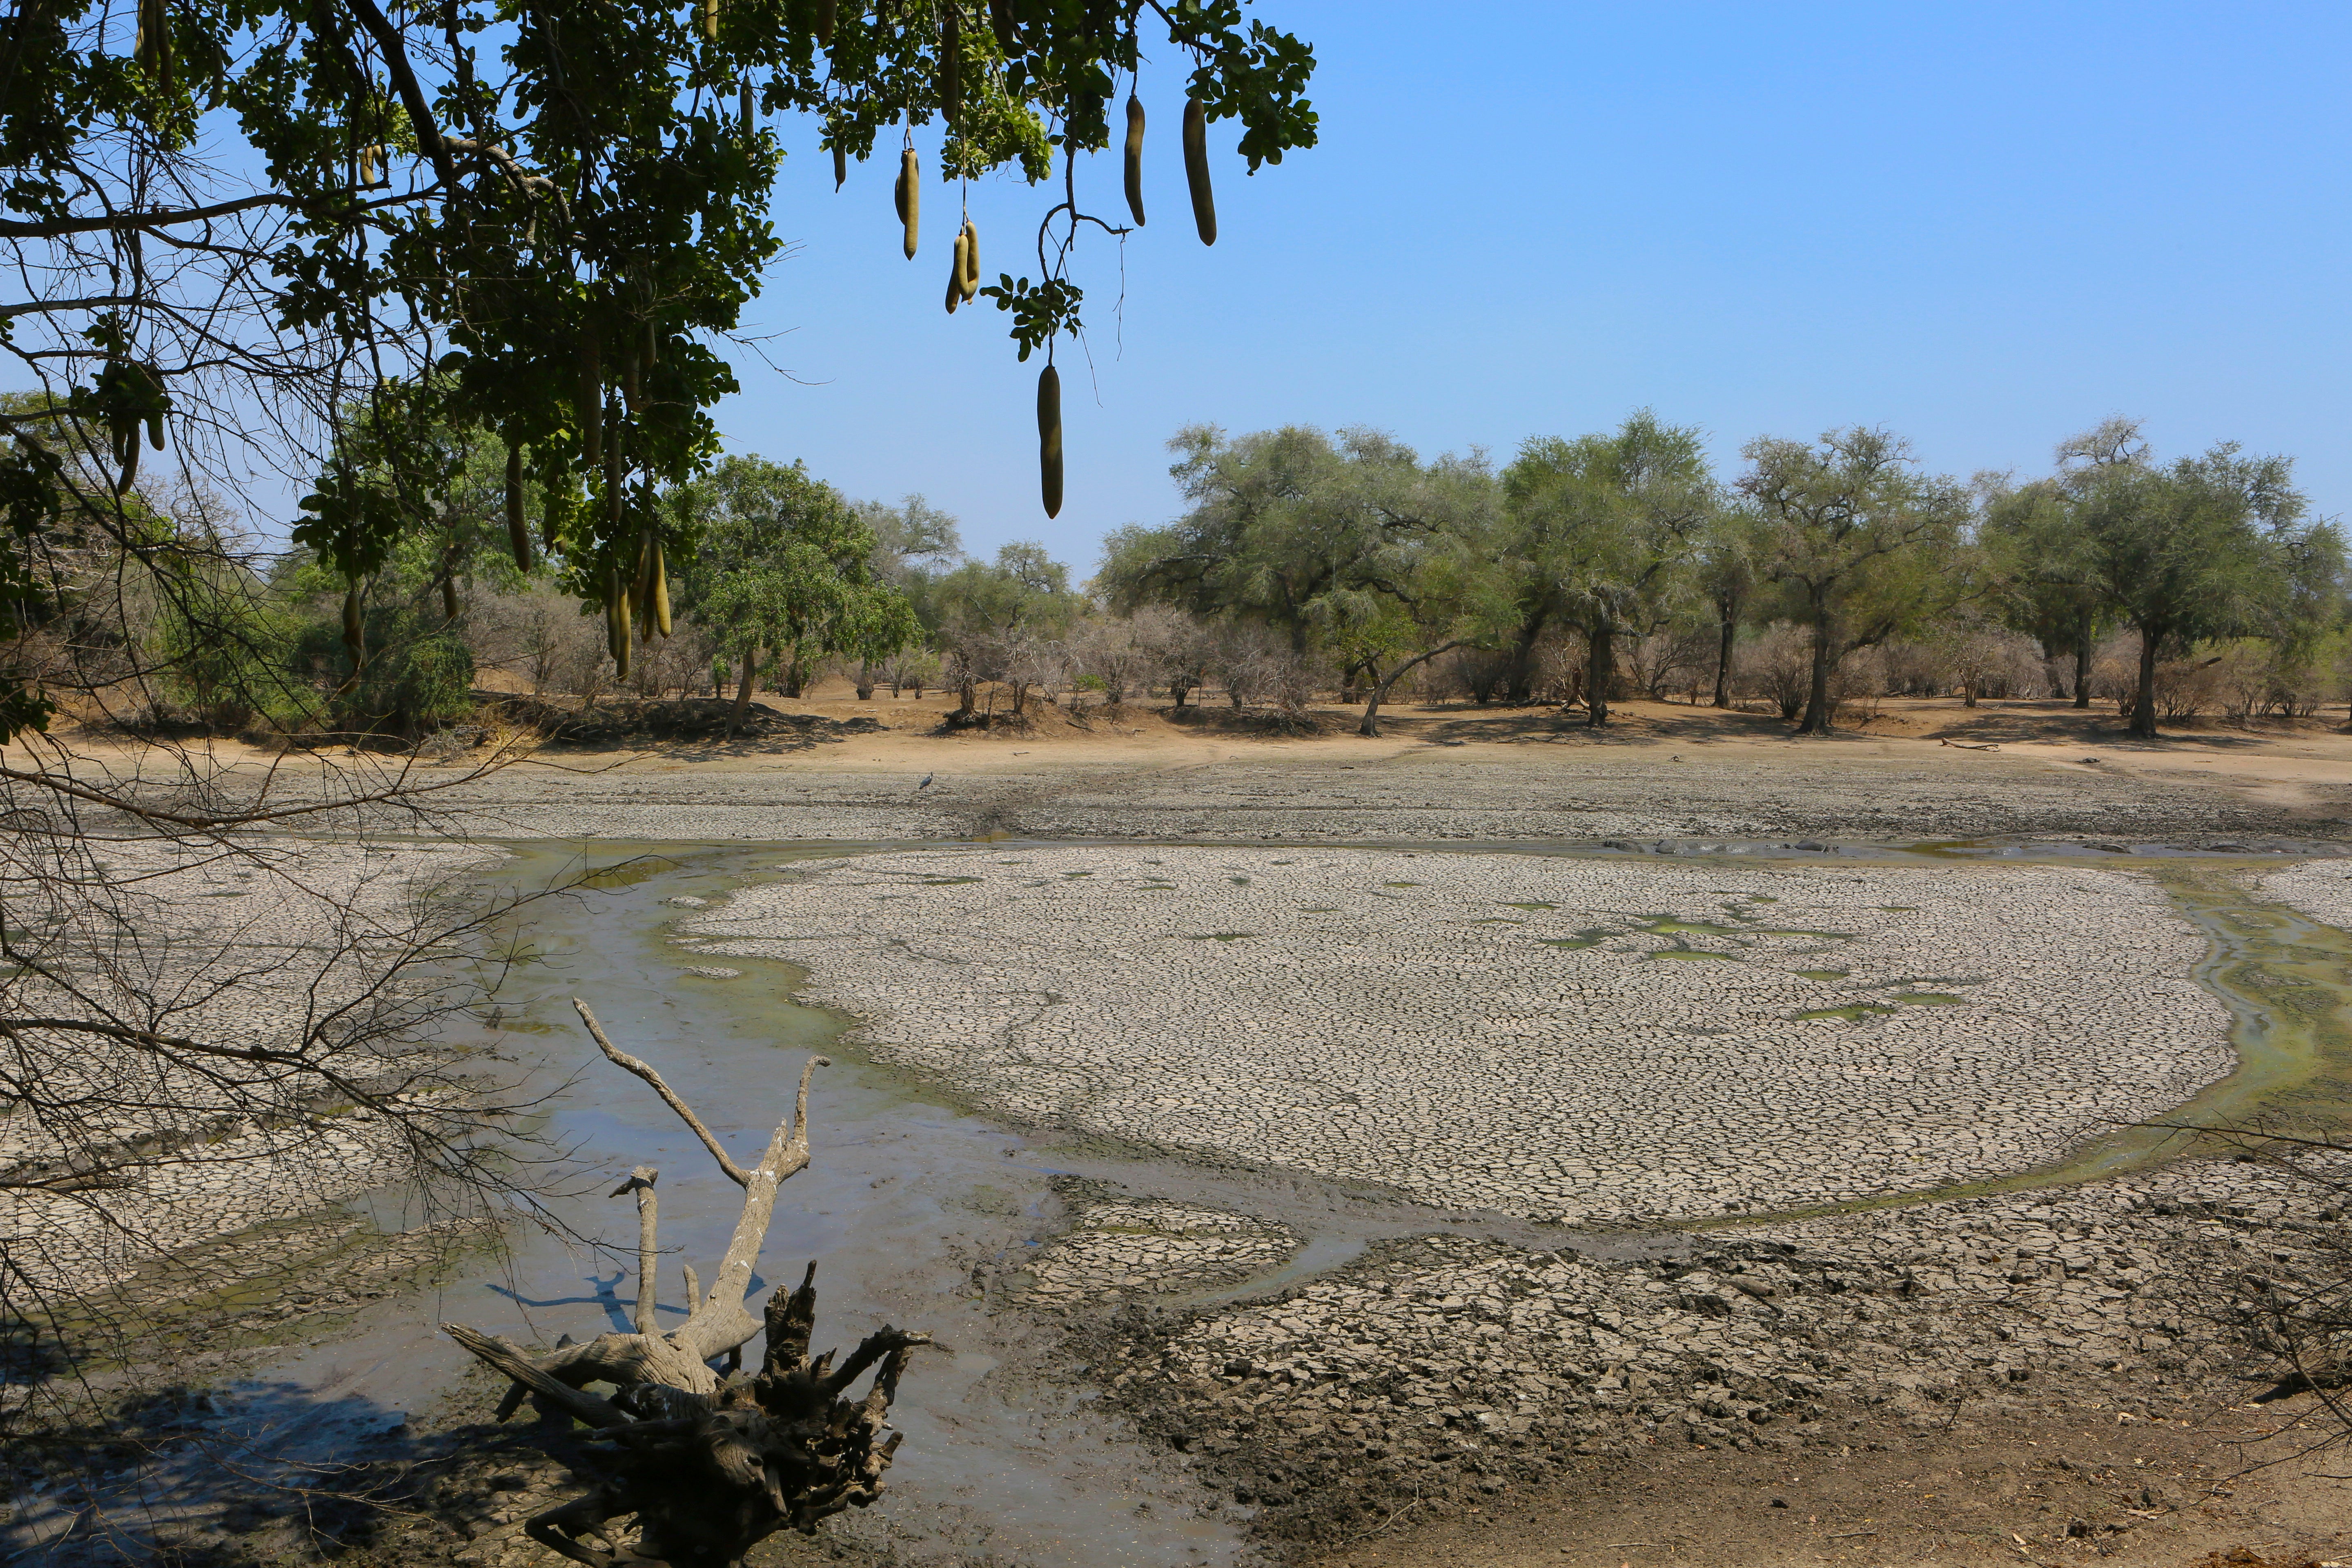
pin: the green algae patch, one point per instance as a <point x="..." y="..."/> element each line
<point x="1221" y="936"/>
<point x="1692" y="952"/>
<point x="1824" y="974"/>
<point x="1537" y="904"/>
<point x="1590" y="937"/>
<point x="1667" y="925"/>
<point x="1852" y="1012"/>
<point x="626" y="874"/>
<point x="947" y="882"/>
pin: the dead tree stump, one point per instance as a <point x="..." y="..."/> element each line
<point x="705" y="1464"/>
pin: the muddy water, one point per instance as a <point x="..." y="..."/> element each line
<point x="921" y="1211"/>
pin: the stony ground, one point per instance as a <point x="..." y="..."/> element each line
<point x="1565" y="788"/>
<point x="1581" y="1040"/>
<point x="1448" y="1372"/>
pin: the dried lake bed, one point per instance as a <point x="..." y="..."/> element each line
<point x="1448" y="1165"/>
<point x="1574" y="1040"/>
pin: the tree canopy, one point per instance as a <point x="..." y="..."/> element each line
<point x="783" y="564"/>
<point x="1603" y="532"/>
<point x="274" y="236"/>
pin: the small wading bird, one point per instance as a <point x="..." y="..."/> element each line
<point x="927" y="782"/>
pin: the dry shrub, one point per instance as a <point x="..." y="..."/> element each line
<point x="1777" y="666"/>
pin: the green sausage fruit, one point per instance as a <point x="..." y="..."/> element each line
<point x="910" y="197"/>
<point x="1049" y="438"/>
<point x="518" y="531"/>
<point x="1135" y="158"/>
<point x="1196" y="169"/>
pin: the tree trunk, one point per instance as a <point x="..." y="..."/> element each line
<point x="865" y="681"/>
<point x="1819" y="719"/>
<point x="2143" y="719"/>
<point x="966" y="699"/>
<point x="1723" y="657"/>
<point x="2082" y="663"/>
<point x="1370" y="726"/>
<point x="1521" y="690"/>
<point x="1601" y="674"/>
<point x="795" y="679"/>
<point x="743" y="690"/>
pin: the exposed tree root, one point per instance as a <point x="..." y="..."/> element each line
<point x="709" y="1464"/>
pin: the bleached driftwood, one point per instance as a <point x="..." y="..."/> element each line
<point x="706" y="1463"/>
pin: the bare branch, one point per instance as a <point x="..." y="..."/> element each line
<point x="588" y="1407"/>
<point x="735" y="1172"/>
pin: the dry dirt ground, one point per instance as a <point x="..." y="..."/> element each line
<point x="1915" y="770"/>
<point x="2232" y="1488"/>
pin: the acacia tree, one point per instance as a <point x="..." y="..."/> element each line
<point x="1276" y="521"/>
<point x="2216" y="545"/>
<point x="1859" y="543"/>
<point x="1352" y="544"/>
<point x="995" y="617"/>
<point x="1602" y="528"/>
<point x="1428" y="586"/>
<point x="1725" y="572"/>
<point x="783" y="564"/>
<point x="912" y="542"/>
<point x="2030" y="532"/>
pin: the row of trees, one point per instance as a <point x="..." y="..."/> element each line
<point x="1584" y="570"/>
<point x="1359" y="550"/>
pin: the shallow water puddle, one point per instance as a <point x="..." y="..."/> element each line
<point x="917" y="1213"/>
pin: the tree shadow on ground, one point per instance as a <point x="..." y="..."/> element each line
<point x="1649" y="726"/>
<point x="210" y="1479"/>
<point x="2101" y="726"/>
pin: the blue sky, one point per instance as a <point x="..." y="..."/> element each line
<point x="1984" y="226"/>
